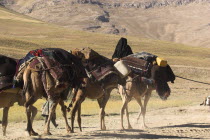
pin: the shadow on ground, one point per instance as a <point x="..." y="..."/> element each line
<point x="196" y="125"/>
<point x="130" y="134"/>
<point x="138" y="136"/>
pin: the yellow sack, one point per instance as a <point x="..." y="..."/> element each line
<point x="161" y="62"/>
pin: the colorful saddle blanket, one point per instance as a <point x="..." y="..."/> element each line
<point x="56" y="60"/>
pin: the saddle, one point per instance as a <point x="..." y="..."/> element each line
<point x="98" y="66"/>
<point x="57" y="67"/>
<point x="140" y="63"/>
<point x="102" y="71"/>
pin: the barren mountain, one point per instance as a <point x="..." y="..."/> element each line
<point x="182" y="21"/>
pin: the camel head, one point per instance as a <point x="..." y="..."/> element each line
<point x="77" y="52"/>
<point x="85" y="53"/>
<point x="162" y="75"/>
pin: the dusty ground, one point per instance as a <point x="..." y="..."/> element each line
<point x="189" y="122"/>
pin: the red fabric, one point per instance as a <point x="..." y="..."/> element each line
<point x="37" y="52"/>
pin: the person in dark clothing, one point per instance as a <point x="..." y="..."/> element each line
<point x="122" y="49"/>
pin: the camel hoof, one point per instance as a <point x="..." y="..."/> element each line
<point x="145" y="127"/>
<point x="103" y="128"/>
<point x="47" y="134"/>
<point x="130" y="127"/>
<point x="33" y="133"/>
<point x="68" y="130"/>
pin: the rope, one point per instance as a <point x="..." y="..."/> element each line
<point x="133" y="79"/>
<point x="193" y="80"/>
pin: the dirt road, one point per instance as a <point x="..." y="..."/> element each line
<point x="189" y="122"/>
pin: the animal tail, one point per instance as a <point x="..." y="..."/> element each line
<point x="26" y="81"/>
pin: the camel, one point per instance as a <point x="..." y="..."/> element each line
<point x="93" y="89"/>
<point x="39" y="81"/>
<point x="9" y="95"/>
<point x="152" y="76"/>
<point x="138" y="87"/>
<point x="7" y="99"/>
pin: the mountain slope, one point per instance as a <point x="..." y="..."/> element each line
<point x="181" y="21"/>
<point x="20" y="33"/>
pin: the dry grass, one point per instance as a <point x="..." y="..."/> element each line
<point x="90" y="107"/>
<point x="20" y="34"/>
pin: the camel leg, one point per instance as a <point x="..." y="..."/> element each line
<point x="29" y="101"/>
<point x="147" y="97"/>
<point x="79" y="97"/>
<point x="73" y="112"/>
<point x="124" y="92"/>
<point x="5" y="120"/>
<point x="52" y="110"/>
<point x="53" y="120"/>
<point x="34" y="112"/>
<point x="102" y="104"/>
<point x="29" y="128"/>
<point x="79" y="118"/>
<point x="143" y="107"/>
<point x="122" y="112"/>
<point x="30" y="88"/>
<point x="138" y="99"/>
<point x="63" y="110"/>
<point x="127" y="115"/>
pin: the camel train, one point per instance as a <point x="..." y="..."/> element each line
<point x="53" y="72"/>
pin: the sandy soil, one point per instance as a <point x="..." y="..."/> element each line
<point x="189" y="122"/>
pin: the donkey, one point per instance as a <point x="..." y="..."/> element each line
<point x="93" y="88"/>
<point x="49" y="75"/>
<point x="9" y="95"/>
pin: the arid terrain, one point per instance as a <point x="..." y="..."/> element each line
<point x="188" y="122"/>
<point x="179" y="117"/>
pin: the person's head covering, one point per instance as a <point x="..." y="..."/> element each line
<point x="122" y="49"/>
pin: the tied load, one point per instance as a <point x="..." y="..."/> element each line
<point x="141" y="63"/>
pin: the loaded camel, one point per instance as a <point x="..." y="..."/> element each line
<point x="154" y="74"/>
<point x="95" y="86"/>
<point x="50" y="73"/>
<point x="143" y="87"/>
<point x="9" y="95"/>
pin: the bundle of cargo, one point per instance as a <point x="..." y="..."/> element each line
<point x="139" y="63"/>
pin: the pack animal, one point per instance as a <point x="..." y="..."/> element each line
<point x="143" y="79"/>
<point x="49" y="75"/>
<point x="138" y="87"/>
<point x="96" y="86"/>
<point x="9" y="95"/>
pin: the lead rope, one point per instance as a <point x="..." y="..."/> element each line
<point x="192" y="80"/>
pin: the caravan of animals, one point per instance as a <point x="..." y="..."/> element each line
<point x="56" y="74"/>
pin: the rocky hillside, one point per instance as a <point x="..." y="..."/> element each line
<point x="182" y="21"/>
